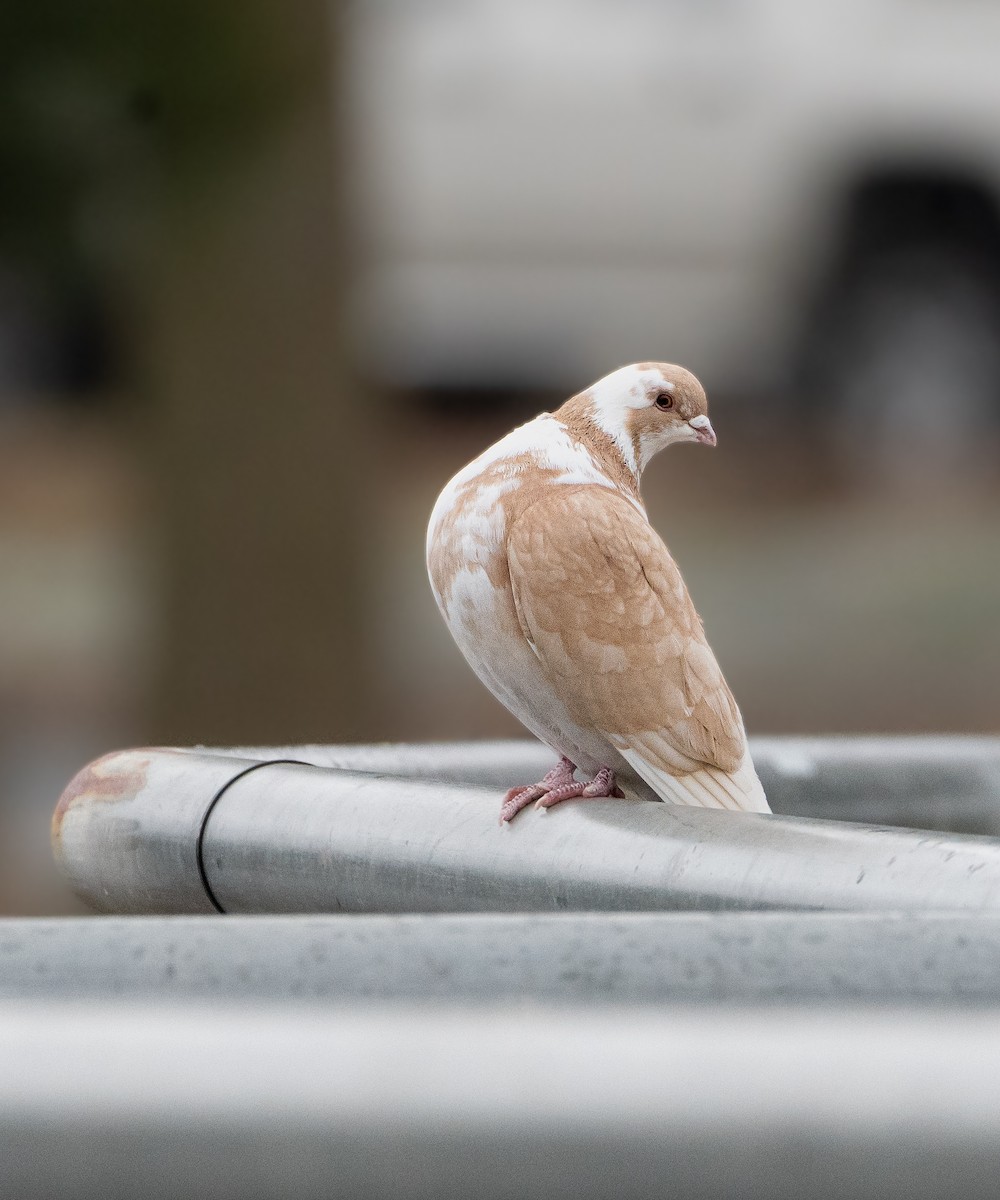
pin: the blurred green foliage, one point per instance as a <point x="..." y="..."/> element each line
<point x="126" y="103"/>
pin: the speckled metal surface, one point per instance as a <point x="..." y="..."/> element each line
<point x="594" y="959"/>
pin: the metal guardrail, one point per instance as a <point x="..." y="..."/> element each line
<point x="240" y="831"/>
<point x="494" y="1053"/>
<point x="166" y="1101"/>
<point x="946" y="783"/>
<point x="593" y="959"/>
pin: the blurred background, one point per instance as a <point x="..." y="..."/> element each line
<point x="269" y="274"/>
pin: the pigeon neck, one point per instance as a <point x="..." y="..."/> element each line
<point x="580" y="419"/>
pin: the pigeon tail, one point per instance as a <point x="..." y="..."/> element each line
<point x="706" y="788"/>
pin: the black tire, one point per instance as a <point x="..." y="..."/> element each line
<point x="903" y="366"/>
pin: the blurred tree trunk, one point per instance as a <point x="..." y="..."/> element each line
<point x="258" y="439"/>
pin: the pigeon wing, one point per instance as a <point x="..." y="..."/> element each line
<point x="606" y="610"/>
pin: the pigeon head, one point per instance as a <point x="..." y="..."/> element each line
<point x="646" y="407"/>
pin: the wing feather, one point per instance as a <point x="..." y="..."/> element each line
<point x="608" y="614"/>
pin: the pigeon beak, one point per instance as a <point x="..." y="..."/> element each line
<point x="704" y="433"/>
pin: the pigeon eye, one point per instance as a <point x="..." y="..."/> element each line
<point x="665" y="401"/>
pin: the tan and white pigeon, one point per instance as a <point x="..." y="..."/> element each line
<point x="568" y="606"/>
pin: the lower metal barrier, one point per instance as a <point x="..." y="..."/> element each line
<point x="595" y="959"/>
<point x="166" y="1101"/>
<point x="496" y="1041"/>
<point x="201" y="831"/>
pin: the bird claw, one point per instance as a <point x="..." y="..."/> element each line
<point x="558" y="785"/>
<point x="556" y="795"/>
<point x="518" y="798"/>
<point x="603" y="784"/>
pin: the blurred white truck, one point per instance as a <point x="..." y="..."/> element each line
<point x="797" y="200"/>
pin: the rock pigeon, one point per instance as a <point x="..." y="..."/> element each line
<point x="569" y="608"/>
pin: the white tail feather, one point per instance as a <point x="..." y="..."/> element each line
<point x="707" y="788"/>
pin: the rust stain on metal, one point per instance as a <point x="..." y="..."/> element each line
<point x="107" y="779"/>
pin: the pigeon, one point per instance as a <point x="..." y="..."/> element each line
<point x="568" y="606"/>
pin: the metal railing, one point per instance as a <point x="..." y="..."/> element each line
<point x="578" y="959"/>
<point x="474" y="1047"/>
<point x="414" y="829"/>
<point x="164" y="1100"/>
<point x="947" y="783"/>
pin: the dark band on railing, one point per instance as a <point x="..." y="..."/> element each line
<point x="200" y="844"/>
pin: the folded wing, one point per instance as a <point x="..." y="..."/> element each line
<point x="606" y="610"/>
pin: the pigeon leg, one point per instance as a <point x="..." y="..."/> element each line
<point x="559" y="778"/>
<point x="603" y="784"/>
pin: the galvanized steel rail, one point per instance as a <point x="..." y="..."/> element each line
<point x="589" y="959"/>
<point x="166" y="1101"/>
<point x="242" y="831"/>
<point x="948" y="783"/>
<point x="494" y="1053"/>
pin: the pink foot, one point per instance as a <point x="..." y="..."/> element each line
<point x="557" y="786"/>
<point x="559" y="777"/>
<point x="603" y="784"/>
